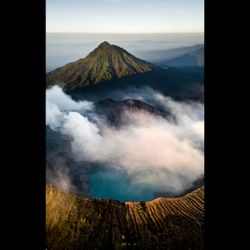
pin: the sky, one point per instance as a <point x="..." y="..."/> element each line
<point x="124" y="16"/>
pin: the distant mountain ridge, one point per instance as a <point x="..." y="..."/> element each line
<point x="159" y="56"/>
<point x="104" y="63"/>
<point x="191" y="59"/>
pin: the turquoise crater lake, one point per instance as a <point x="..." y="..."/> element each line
<point x="117" y="184"/>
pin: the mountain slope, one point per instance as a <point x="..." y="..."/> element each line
<point x="199" y="54"/>
<point x="159" y="56"/>
<point x="104" y="63"/>
<point x="115" y="112"/>
<point x="178" y="83"/>
<point x="79" y="223"/>
<point x="192" y="59"/>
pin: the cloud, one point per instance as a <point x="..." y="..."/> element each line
<point x="57" y="102"/>
<point x="60" y="176"/>
<point x="152" y="150"/>
<point x="189" y="115"/>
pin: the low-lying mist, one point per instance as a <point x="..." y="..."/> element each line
<point x="151" y="151"/>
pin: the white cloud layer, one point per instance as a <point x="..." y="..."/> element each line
<point x="152" y="150"/>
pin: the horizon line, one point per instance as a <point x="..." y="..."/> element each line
<point x="119" y="33"/>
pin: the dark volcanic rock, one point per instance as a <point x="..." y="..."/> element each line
<point x="115" y="111"/>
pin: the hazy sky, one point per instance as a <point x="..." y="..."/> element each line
<point x="125" y="16"/>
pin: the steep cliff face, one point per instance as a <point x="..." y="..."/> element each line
<point x="73" y="222"/>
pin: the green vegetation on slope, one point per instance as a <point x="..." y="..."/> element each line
<point x="104" y="63"/>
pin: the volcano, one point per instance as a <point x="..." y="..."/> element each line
<point x="104" y="63"/>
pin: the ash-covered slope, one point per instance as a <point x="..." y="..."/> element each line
<point x="73" y="222"/>
<point x="104" y="63"/>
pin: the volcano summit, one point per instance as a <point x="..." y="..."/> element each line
<point x="104" y="63"/>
